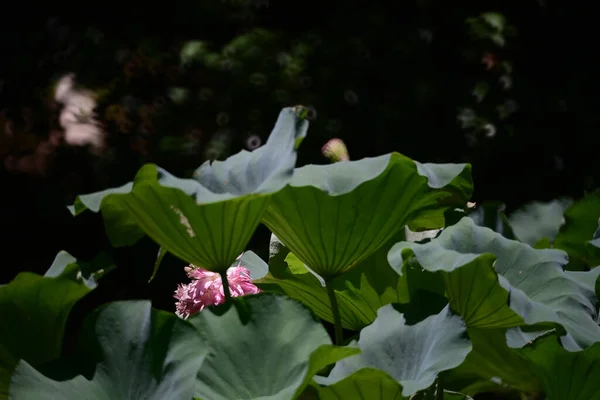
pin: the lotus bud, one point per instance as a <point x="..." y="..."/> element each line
<point x="335" y="150"/>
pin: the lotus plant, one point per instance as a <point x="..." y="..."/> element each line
<point x="490" y="303"/>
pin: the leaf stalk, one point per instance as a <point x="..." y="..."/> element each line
<point x="335" y="310"/>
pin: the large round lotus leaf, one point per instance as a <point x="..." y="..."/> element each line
<point x="359" y="292"/>
<point x="265" y="347"/>
<point x="334" y="216"/>
<point x="564" y="374"/>
<point x="208" y="220"/>
<point x="34" y="312"/>
<point x="412" y="355"/>
<point x="494" y="282"/>
<point x="126" y="350"/>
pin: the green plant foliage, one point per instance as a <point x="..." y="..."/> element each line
<point x="494" y="282"/>
<point x="538" y="221"/>
<point x="257" y="267"/>
<point x="360" y="292"/>
<point x="208" y="220"/>
<point x="580" y="226"/>
<point x="446" y="301"/>
<point x="34" y="312"/>
<point x="126" y="350"/>
<point x="492" y="366"/>
<point x="565" y="374"/>
<point x="563" y="224"/>
<point x="412" y="355"/>
<point x="333" y="217"/>
<point x="265" y="347"/>
<point x="364" y="384"/>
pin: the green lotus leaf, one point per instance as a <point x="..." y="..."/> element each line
<point x="538" y="220"/>
<point x="364" y="384"/>
<point x="208" y="220"/>
<point x="370" y="383"/>
<point x="581" y="223"/>
<point x="564" y="374"/>
<point x="257" y="267"/>
<point x="126" y="350"/>
<point x="494" y="282"/>
<point x="264" y="170"/>
<point x="360" y="292"/>
<point x="413" y="355"/>
<point x="264" y="347"/>
<point x="34" y="312"/>
<point x="332" y="217"/>
<point x="492" y="366"/>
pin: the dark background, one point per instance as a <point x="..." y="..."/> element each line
<point x="511" y="87"/>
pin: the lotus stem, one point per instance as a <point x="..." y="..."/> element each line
<point x="335" y="310"/>
<point x="225" y="282"/>
<point x="439" y="393"/>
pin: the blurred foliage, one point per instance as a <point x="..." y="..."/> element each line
<point x="195" y="81"/>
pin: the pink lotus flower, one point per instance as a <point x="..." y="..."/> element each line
<point x="207" y="288"/>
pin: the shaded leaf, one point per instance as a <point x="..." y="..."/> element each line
<point x="34" y="312"/>
<point x="126" y="350"/>
<point x="364" y="384"/>
<point x="494" y="282"/>
<point x="493" y="366"/>
<point x="88" y="271"/>
<point x="579" y="228"/>
<point x="360" y="292"/>
<point x="564" y="374"/>
<point x="263" y="347"/>
<point x="159" y="257"/>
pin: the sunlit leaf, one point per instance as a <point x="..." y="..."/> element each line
<point x="412" y="355"/>
<point x="208" y="220"/>
<point x="334" y="216"/>
<point x="494" y="282"/>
